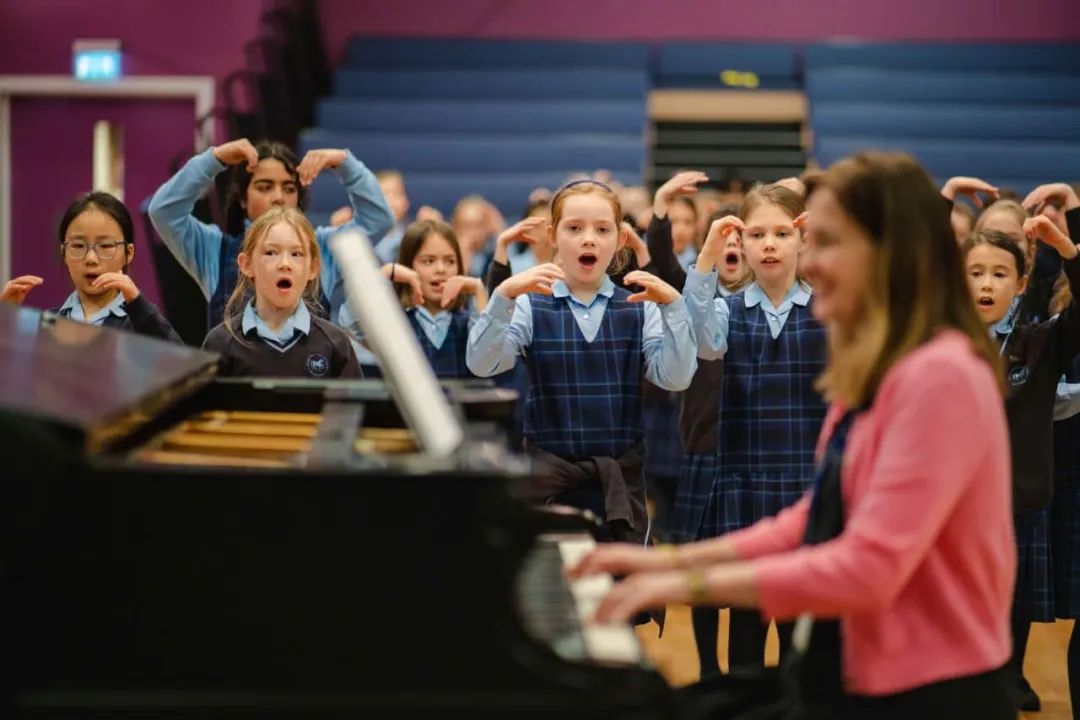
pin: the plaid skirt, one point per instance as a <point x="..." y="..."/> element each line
<point x="739" y="499"/>
<point x="660" y="424"/>
<point x="691" y="494"/>
<point x="1065" y="518"/>
<point x="1034" y="592"/>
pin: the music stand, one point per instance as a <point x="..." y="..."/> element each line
<point x="387" y="333"/>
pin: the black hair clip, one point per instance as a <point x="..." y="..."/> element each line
<point x="582" y="181"/>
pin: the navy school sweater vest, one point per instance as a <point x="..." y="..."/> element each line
<point x="584" y="398"/>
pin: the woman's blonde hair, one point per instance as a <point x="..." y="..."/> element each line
<point x="621" y="261"/>
<point x="917" y="286"/>
<point x="245" y="288"/>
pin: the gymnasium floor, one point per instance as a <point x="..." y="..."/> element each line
<point x="675" y="657"/>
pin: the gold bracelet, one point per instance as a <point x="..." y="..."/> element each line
<point x="699" y="591"/>
<point x="671" y="552"/>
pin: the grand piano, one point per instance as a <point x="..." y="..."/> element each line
<point x="177" y="545"/>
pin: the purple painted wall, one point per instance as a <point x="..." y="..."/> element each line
<point x="781" y="20"/>
<point x="52" y="139"/>
<point x="160" y="37"/>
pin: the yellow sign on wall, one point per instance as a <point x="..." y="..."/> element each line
<point x="740" y="78"/>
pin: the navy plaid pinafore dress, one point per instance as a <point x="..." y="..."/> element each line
<point x="660" y="423"/>
<point x="770" y="417"/>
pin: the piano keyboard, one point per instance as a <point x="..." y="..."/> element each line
<point x="559" y="612"/>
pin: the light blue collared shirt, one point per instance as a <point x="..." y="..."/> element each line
<point x="297" y="324"/>
<point x="387" y="248"/>
<point x="521" y="260"/>
<point x="504" y="330"/>
<point x="72" y="309"/>
<point x="710" y="314"/>
<point x="1004" y="326"/>
<point x="687" y="257"/>
<point x="1067" y="403"/>
<point x="197" y="245"/>
<point x="436" y="327"/>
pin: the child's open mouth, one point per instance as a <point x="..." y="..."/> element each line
<point x="731" y="260"/>
<point x="986" y="302"/>
<point x="587" y="261"/>
<point x="91" y="277"/>
<point x="284" y="283"/>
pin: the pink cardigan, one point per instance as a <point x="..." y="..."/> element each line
<point x="922" y="575"/>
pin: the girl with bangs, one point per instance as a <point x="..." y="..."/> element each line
<point x="587" y="344"/>
<point x="269" y="330"/>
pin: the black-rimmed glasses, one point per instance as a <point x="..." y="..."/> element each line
<point x="104" y="249"/>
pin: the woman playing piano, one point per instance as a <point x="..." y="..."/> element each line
<point x="906" y="535"/>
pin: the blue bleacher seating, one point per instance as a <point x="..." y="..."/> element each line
<point x="946" y="57"/>
<point x="494" y="117"/>
<point x="443" y="153"/>
<point x="592" y="83"/>
<point x="1009" y="113"/>
<point x="501" y="117"/>
<point x="371" y="52"/>
<point x="483" y="116"/>
<point x="870" y="84"/>
<point x="936" y="120"/>
<point x="1029" y="161"/>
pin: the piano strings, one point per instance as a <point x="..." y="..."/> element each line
<point x="259" y="440"/>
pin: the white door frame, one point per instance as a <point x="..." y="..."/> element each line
<point x="199" y="88"/>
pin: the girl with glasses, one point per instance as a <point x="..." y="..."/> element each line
<point x="97" y="246"/>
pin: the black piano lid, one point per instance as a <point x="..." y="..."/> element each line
<point x="92" y="383"/>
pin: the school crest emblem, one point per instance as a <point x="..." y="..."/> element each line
<point x="318" y="365"/>
<point x="1019" y="375"/>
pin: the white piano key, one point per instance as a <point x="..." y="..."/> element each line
<point x="603" y="642"/>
